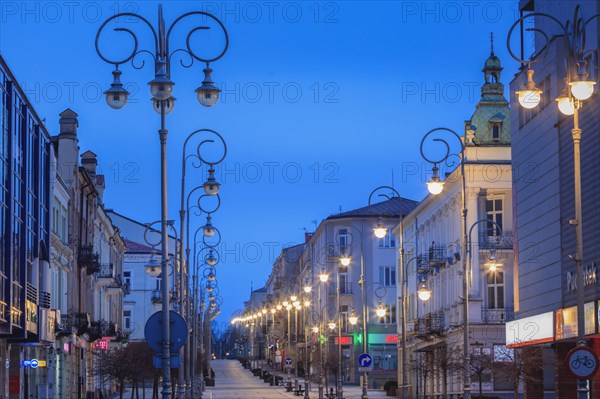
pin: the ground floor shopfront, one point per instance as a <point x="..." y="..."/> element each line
<point x="554" y="334"/>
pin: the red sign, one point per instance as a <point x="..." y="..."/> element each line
<point x="345" y="340"/>
<point x="582" y="362"/>
<point x="391" y="339"/>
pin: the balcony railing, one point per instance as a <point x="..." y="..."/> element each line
<point x="430" y="325"/>
<point x="88" y="259"/>
<point x="106" y="271"/>
<point x="497" y="316"/>
<point x="433" y="258"/>
<point x="500" y="241"/>
<point x="73" y="323"/>
<point x="101" y="328"/>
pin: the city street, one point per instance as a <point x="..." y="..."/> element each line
<point x="233" y="382"/>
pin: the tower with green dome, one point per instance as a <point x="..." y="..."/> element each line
<point x="490" y="123"/>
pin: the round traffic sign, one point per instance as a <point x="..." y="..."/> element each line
<point x="34" y="363"/>
<point x="365" y="360"/>
<point x="178" y="331"/>
<point x="582" y="362"/>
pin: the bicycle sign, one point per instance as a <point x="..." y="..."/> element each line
<point x="582" y="362"/>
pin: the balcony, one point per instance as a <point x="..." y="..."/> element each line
<point x="433" y="259"/>
<point x="126" y="288"/>
<point x="430" y="326"/>
<point x="115" y="286"/>
<point x="88" y="259"/>
<point x="497" y="316"/>
<point x="498" y="241"/>
<point x="104" y="275"/>
<point x="73" y="323"/>
<point x="101" y="328"/>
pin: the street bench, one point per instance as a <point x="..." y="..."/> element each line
<point x="299" y="391"/>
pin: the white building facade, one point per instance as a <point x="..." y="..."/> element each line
<point x="432" y="237"/>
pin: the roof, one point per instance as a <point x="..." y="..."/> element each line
<point x="133" y="246"/>
<point x="388" y="208"/>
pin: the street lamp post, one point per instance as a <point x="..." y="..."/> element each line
<point x="435" y="186"/>
<point x="578" y="89"/>
<point x="345" y="262"/>
<point x="380" y="231"/>
<point x="323" y="277"/>
<point x="307" y="290"/>
<point x="211" y="188"/>
<point x="161" y="88"/>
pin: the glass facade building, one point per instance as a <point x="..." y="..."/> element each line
<point x="24" y="210"/>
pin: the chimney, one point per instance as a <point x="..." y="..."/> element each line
<point x="307" y="237"/>
<point x="89" y="162"/>
<point x="68" y="123"/>
<point x="68" y="146"/>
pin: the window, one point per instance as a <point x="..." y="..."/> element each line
<point x="389" y="241"/>
<point x="344" y="317"/>
<point x="345" y="285"/>
<point x="127" y="277"/>
<point x="127" y="319"/>
<point x="387" y="276"/>
<point x="390" y="315"/>
<point x="343" y="241"/>
<point x="495" y="289"/>
<point x="384" y="356"/>
<point x="496" y="129"/>
<point x="493" y="210"/>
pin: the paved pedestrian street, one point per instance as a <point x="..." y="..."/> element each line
<point x="233" y="382"/>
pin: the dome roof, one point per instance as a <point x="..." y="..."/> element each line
<point x="493" y="62"/>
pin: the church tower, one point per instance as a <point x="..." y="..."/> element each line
<point x="490" y="123"/>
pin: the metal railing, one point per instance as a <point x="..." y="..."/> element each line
<point x="345" y="288"/>
<point x="499" y="241"/>
<point x="156" y="296"/>
<point x="431" y="324"/>
<point x="497" y="315"/>
<point x="106" y="271"/>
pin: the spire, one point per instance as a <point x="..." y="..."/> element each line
<point x="492" y="44"/>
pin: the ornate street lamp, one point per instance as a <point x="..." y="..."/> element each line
<point x="161" y="88"/>
<point x="435" y="187"/>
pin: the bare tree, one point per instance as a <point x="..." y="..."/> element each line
<point x="481" y="364"/>
<point x="518" y="364"/>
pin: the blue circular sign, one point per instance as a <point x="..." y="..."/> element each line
<point x="153" y="331"/>
<point x="34" y="363"/>
<point x="365" y="360"/>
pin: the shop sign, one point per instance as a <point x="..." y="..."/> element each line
<point x="590" y="277"/>
<point x="345" y="340"/>
<point x="34" y="363"/>
<point x="530" y="330"/>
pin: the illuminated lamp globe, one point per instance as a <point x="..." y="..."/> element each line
<point x="353" y="319"/>
<point x="380" y="312"/>
<point x="331" y="325"/>
<point x="582" y="89"/>
<point x="380" y="230"/>
<point x="565" y="105"/>
<point x="323" y="277"/>
<point x="345" y="260"/>
<point x="424" y="293"/>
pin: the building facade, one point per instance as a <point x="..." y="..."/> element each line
<point x="542" y="152"/>
<point x="432" y="238"/>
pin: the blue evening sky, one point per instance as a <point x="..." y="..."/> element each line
<point x="321" y="102"/>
